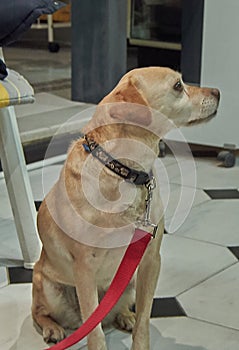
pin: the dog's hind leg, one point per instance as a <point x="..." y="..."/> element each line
<point x="55" y="307"/>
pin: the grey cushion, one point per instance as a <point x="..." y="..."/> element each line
<point x="18" y="15"/>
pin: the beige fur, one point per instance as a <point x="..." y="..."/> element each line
<point x="83" y="242"/>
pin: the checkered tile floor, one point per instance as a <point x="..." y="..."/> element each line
<point x="196" y="301"/>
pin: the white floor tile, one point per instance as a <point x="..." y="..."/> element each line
<point x="186" y="262"/>
<point x="209" y="173"/>
<point x="169" y="159"/>
<point x="50" y="116"/>
<point x="42" y="180"/>
<point x="215" y="300"/>
<point x="178" y="199"/>
<point x="214" y="221"/>
<point x="45" y="102"/>
<point x="9" y="247"/>
<point x="181" y="170"/>
<point x="5" y="207"/>
<point x="3" y="277"/>
<point x="17" y="331"/>
<point x="188" y="334"/>
<point x="178" y="202"/>
<point x="216" y="176"/>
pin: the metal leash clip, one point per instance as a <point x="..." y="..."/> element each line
<point x="146" y="221"/>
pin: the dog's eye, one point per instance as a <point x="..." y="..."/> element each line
<point x="178" y="86"/>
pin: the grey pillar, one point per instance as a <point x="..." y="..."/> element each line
<point x="99" y="47"/>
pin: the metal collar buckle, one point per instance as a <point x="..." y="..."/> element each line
<point x="146" y="221"/>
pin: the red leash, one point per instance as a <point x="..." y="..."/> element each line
<point x="128" y="265"/>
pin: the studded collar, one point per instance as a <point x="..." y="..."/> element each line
<point x="131" y="175"/>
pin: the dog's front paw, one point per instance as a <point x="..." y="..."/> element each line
<point x="125" y="321"/>
<point x="53" y="334"/>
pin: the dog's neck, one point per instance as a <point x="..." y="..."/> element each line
<point x="137" y="177"/>
<point x="135" y="147"/>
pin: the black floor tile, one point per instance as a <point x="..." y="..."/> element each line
<point x="19" y="275"/>
<point x="235" y="251"/>
<point x="223" y="194"/>
<point x="37" y="204"/>
<point x="167" y="307"/>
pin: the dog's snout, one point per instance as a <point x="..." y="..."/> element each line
<point x="216" y="93"/>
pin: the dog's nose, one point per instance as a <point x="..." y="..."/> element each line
<point x="216" y="93"/>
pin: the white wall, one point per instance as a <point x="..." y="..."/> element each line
<point x="220" y="68"/>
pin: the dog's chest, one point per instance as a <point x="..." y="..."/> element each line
<point x="107" y="266"/>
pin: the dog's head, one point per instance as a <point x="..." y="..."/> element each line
<point x="163" y="90"/>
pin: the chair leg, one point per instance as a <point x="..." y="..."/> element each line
<point x="18" y="186"/>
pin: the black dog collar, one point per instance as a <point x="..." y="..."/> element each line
<point x="128" y="174"/>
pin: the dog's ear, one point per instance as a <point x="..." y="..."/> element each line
<point x="127" y="91"/>
<point x="130" y="105"/>
<point x="131" y="112"/>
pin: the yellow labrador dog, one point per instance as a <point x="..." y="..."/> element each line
<point x="87" y="219"/>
